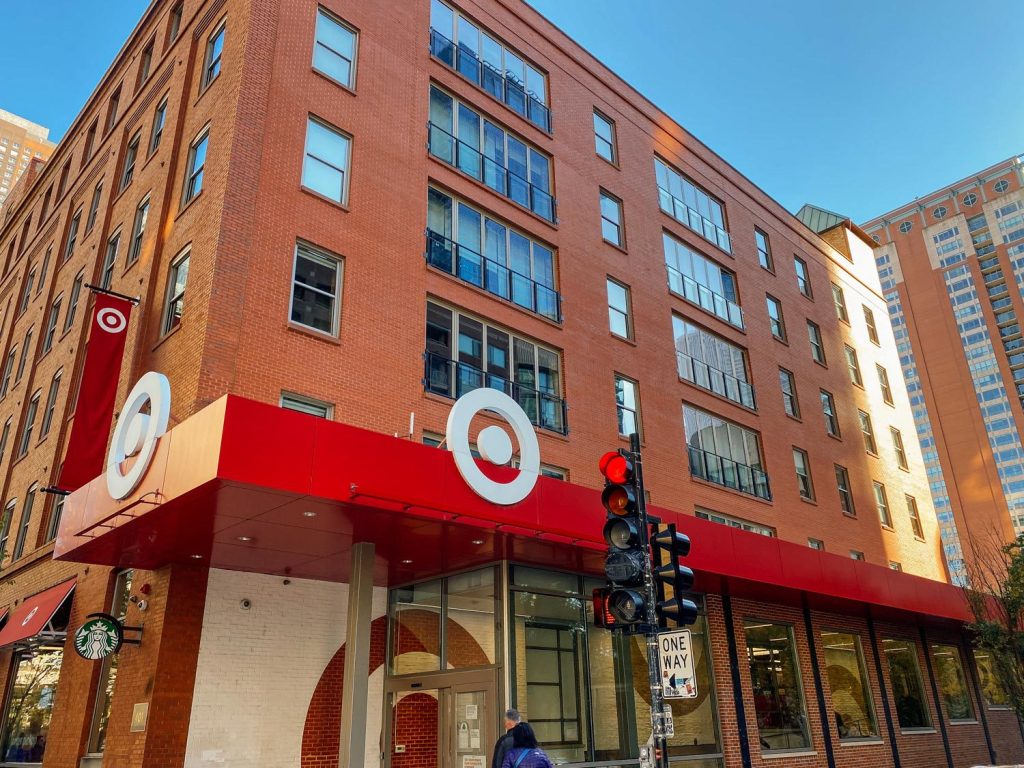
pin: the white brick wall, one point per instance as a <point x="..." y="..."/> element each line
<point x="258" y="668"/>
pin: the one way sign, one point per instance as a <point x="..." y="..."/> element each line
<point x="677" y="672"/>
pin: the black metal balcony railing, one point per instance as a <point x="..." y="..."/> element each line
<point x="726" y="472"/>
<point x="714" y="380"/>
<point x="494" y="277"/>
<point x="504" y="88"/>
<point x="452" y="378"/>
<point x="473" y="163"/>
<point x="704" y="297"/>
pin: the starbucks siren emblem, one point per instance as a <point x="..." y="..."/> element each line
<point x="100" y="636"/>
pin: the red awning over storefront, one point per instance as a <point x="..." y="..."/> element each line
<point x="31" y="617"/>
<point x="248" y="486"/>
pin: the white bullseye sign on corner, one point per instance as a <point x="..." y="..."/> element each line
<point x="137" y="433"/>
<point x="494" y="445"/>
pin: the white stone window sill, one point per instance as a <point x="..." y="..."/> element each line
<point x="783" y="754"/>
<point x="860" y="742"/>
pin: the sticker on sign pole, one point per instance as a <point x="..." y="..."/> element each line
<point x="678" y="680"/>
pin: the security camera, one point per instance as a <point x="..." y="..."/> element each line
<point x="245" y="604"/>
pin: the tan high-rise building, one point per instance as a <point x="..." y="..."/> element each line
<point x="952" y="269"/>
<point x="20" y="142"/>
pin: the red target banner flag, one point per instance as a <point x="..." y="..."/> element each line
<point x="87" y="445"/>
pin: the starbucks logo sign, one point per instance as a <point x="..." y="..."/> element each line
<point x="100" y="636"/>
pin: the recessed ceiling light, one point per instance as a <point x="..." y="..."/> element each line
<point x="309" y="513"/>
<point x="407" y="562"/>
<point x="245" y="538"/>
<point x="478" y="542"/>
<point x="197" y="557"/>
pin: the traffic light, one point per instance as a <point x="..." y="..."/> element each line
<point x="623" y="603"/>
<point x="669" y="572"/>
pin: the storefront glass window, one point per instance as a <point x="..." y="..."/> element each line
<point x="108" y="674"/>
<point x="905" y="678"/>
<point x="416" y="628"/>
<point x="469" y="619"/>
<point x="27" y="721"/>
<point x="991" y="686"/>
<point x="847" y="678"/>
<point x="949" y="673"/>
<point x="778" y="693"/>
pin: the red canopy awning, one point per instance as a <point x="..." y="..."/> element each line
<point x="31" y="617"/>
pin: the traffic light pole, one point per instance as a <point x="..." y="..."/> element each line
<point x="658" y="737"/>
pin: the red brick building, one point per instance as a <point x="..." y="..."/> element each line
<point x="364" y="211"/>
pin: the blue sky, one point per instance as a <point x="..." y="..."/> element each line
<point x="856" y="106"/>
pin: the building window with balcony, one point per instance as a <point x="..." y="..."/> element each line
<point x="464" y="353"/>
<point x="845" y="492"/>
<point x="138" y="231"/>
<point x="883" y="384"/>
<point x="308" y="405"/>
<point x="214" y="54"/>
<point x="489" y="63"/>
<point x="907" y="688"/>
<point x="852" y="704"/>
<point x="804" y="483"/>
<point x="196" y="166"/>
<point x="620" y="321"/>
<point x="109" y="260"/>
<point x="776" y="320"/>
<point x="882" y="505"/>
<point x="853" y="365"/>
<point x="489" y="254"/>
<point x="334" y="49"/>
<point x="724" y="453"/>
<point x="176" y="283"/>
<point x="764" y="250"/>
<point x="611" y="219"/>
<point x="701" y="281"/>
<point x="131" y="155"/>
<point x="711" y="362"/>
<point x="869" y="321"/>
<point x="316" y="289"/>
<point x="775" y="676"/>
<point x="627" y="406"/>
<point x="817" y="347"/>
<point x="839" y="300"/>
<point x="828" y="408"/>
<point x="868" y="433"/>
<point x="604" y="137"/>
<point x="897" y="446"/>
<point x="690" y="205"/>
<point x="790" y="402"/>
<point x="803" y="277"/>
<point x="915" y="516"/>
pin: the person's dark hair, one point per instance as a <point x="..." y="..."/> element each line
<point x="523" y="737"/>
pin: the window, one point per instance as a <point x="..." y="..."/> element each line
<point x="464" y="353"/>
<point x="159" y="120"/>
<point x="905" y="678"/>
<point x="196" y="166"/>
<point x="119" y="603"/>
<point x="176" y="291"/>
<point x="869" y="321"/>
<point x="26" y="294"/>
<point x="26" y="351"/>
<point x="5" y="531"/>
<point x="828" y="408"/>
<point x="764" y="250"/>
<point x="461" y="137"/>
<point x="803" y="277"/>
<point x="174" y="25"/>
<point x="882" y="504"/>
<point x="856" y="554"/>
<point x="112" y="107"/>
<point x="109" y="260"/>
<point x="316" y="289"/>
<point x="54" y="523"/>
<point x="852" y="704"/>
<point x="701" y="281"/>
<point x="845" y="494"/>
<point x="619" y="321"/>
<point x="724" y="453"/>
<point x="334" y="50"/>
<point x="1001" y="186"/>
<point x="735" y="522"/>
<point x="949" y="674"/>
<point x="481" y="250"/>
<point x="8" y="371"/>
<point x="787" y="382"/>
<point x="23" y="524"/>
<point x="90" y="143"/>
<point x="69" y="248"/>
<point x="304" y="404"/>
<point x="817" y="347"/>
<point x="915" y="517"/>
<point x="690" y="205"/>
<point x="897" y="446"/>
<point x="4" y="437"/>
<point x="817" y="544"/>
<point x="51" y="404"/>
<point x="775" y="675"/>
<point x="51" y="324"/>
<point x="992" y="687"/>
<point x="138" y="231"/>
<point x="853" y="365"/>
<point x="906" y="226"/>
<point x="214" y="52"/>
<point x="883" y="383"/>
<point x="895" y="566"/>
<point x="712" y="362"/>
<point x="30" y="422"/>
<point x="325" y="167"/>
<point x="839" y="300"/>
<point x="94" y="208"/>
<point x="611" y="219"/>
<point x="604" y="137"/>
<point x="627" y="406"/>
<point x="775" y="319"/>
<point x="34" y="675"/>
<point x="62" y="184"/>
<point x="803" y="474"/>
<point x="145" y="64"/>
<point x="76" y="291"/>
<point x="868" y="432"/>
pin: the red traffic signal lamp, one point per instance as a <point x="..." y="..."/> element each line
<point x="623" y="603"/>
<point x="616" y="467"/>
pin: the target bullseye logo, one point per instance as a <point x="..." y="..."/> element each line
<point x="494" y="445"/>
<point x="137" y="433"/>
<point x="111" y="320"/>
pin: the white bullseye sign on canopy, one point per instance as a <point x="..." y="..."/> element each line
<point x="494" y="445"/>
<point x="136" y="433"/>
